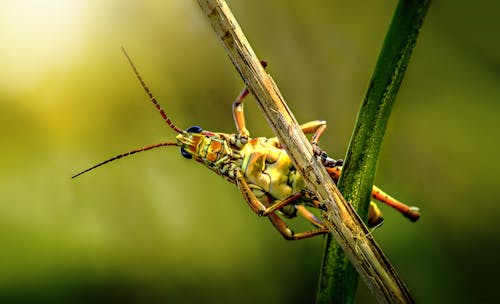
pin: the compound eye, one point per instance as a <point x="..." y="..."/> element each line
<point x="186" y="154"/>
<point x="194" y="129"/>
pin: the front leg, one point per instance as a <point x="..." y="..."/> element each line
<point x="318" y="127"/>
<point x="248" y="194"/>
<point x="239" y="115"/>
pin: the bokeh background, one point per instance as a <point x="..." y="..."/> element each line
<point x="158" y="228"/>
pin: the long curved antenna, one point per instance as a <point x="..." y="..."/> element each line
<point x="151" y="97"/>
<point x="126" y="154"/>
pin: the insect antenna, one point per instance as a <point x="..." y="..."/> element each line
<point x="126" y="154"/>
<point x="151" y="97"/>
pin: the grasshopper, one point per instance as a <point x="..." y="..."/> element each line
<point x="261" y="169"/>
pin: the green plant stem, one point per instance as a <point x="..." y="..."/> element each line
<point x="338" y="278"/>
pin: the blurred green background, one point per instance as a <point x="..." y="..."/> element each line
<point x="158" y="228"/>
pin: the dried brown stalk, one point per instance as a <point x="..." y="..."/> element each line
<point x="340" y="217"/>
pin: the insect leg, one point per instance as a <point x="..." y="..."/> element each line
<point x="375" y="217"/>
<point x="248" y="195"/>
<point x="288" y="234"/>
<point x="238" y="114"/>
<point x="374" y="214"/>
<point x="311" y="126"/>
<point x="308" y="215"/>
<point x="410" y="212"/>
<point x="277" y="206"/>
<point x="318" y="127"/>
<point x="278" y="223"/>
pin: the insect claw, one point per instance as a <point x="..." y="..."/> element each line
<point x="325" y="160"/>
<point x="316" y="150"/>
<point x="328" y="162"/>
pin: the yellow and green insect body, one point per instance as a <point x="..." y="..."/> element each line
<point x="262" y="162"/>
<point x="269" y="170"/>
<point x="262" y="170"/>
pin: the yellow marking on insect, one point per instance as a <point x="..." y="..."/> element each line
<point x="223" y="159"/>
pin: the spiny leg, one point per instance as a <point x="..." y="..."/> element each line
<point x="288" y="234"/>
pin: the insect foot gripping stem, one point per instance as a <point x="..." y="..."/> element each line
<point x="330" y="162"/>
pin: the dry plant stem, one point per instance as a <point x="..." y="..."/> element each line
<point x="340" y="217"/>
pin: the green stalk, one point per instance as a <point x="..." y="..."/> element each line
<point x="338" y="278"/>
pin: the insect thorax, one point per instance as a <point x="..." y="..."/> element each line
<point x="268" y="168"/>
<point x="220" y="153"/>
